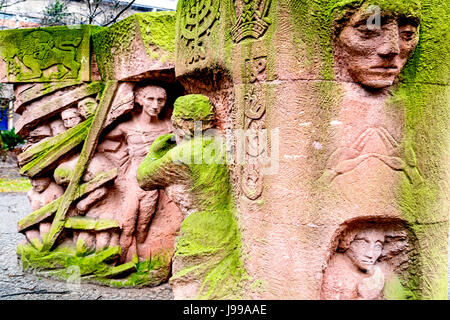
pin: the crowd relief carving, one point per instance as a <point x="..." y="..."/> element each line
<point x="251" y="19"/>
<point x="197" y="19"/>
<point x="107" y="209"/>
<point x="367" y="254"/>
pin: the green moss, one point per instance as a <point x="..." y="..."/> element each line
<point x="193" y="106"/>
<point x="209" y="244"/>
<point x="394" y="290"/>
<point x="52" y="149"/>
<point x="30" y="53"/>
<point x="158" y="28"/>
<point x="155" y="29"/>
<point x="95" y="267"/>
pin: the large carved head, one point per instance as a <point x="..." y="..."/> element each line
<point x="151" y="98"/>
<point x="374" y="39"/>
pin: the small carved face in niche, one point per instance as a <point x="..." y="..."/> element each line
<point x="71" y="117"/>
<point x="152" y="99"/>
<point x="40" y="184"/>
<point x="87" y="106"/>
<point x="57" y="127"/>
<point x="366" y="248"/>
<point x="374" y="55"/>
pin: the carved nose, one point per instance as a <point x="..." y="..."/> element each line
<point x="390" y="46"/>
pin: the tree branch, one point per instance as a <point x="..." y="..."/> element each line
<point x="119" y="14"/>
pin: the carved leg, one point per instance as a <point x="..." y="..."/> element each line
<point x="128" y="221"/>
<point x="147" y="208"/>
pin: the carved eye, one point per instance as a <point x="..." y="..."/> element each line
<point x="366" y="33"/>
<point x="408" y="35"/>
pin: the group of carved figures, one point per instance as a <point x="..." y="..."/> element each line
<point x="361" y="257"/>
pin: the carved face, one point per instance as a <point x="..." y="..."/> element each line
<point x="152" y="99"/>
<point x="57" y="127"/>
<point x="366" y="248"/>
<point x="40" y="184"/>
<point x="375" y="55"/>
<point x="71" y="117"/>
<point x="87" y="106"/>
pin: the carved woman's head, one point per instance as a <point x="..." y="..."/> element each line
<point x="374" y="39"/>
<point x="363" y="244"/>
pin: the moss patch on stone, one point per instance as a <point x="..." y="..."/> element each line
<point x="156" y="31"/>
<point x="209" y="244"/>
<point x="31" y="53"/>
<point x="95" y="267"/>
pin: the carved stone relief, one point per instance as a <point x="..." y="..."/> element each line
<point x="94" y="205"/>
<point x="198" y="17"/>
<point x="366" y="254"/>
<point x="47" y="55"/>
<point x="251" y="19"/>
<point x="254" y="125"/>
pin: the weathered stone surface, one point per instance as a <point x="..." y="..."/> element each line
<point x="41" y="112"/>
<point x="335" y="115"/>
<point x="138" y="47"/>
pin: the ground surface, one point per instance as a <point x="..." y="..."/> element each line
<point x="15" y="284"/>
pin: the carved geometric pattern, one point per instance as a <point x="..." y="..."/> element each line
<point x="251" y="19"/>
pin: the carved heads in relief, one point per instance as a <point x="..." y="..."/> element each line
<point x="372" y="45"/>
<point x="365" y="248"/>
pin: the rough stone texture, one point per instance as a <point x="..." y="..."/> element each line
<point x="357" y="139"/>
<point x="347" y="149"/>
<point x="138" y="47"/>
<point x="84" y="142"/>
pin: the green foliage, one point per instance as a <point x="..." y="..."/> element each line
<point x="10" y="139"/>
<point x="55" y="14"/>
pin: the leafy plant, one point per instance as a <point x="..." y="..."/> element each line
<point x="55" y="14"/>
<point x="10" y="139"/>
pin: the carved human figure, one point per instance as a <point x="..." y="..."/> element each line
<point x="71" y="117"/>
<point x="137" y="135"/>
<point x="353" y="273"/>
<point x="43" y="192"/>
<point x="197" y="165"/>
<point x="372" y="50"/>
<point x="101" y="203"/>
<point x="87" y="106"/>
<point x="39" y="134"/>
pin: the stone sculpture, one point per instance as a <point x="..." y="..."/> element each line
<point x="347" y="99"/>
<point x="138" y="134"/>
<point x="196" y="163"/>
<point x="365" y="260"/>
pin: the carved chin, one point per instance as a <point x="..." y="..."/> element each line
<point x="377" y="83"/>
